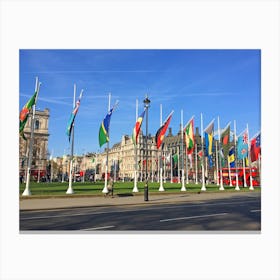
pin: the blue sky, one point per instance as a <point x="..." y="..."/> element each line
<point x="224" y="83"/>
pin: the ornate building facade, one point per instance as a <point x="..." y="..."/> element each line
<point x="123" y="157"/>
<point x="40" y="144"/>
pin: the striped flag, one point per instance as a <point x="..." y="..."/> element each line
<point x="137" y="128"/>
<point x="104" y="129"/>
<point x="23" y="116"/>
<point x="209" y="132"/>
<point x="189" y="136"/>
<point x="255" y="147"/>
<point x="242" y="145"/>
<point x="73" y="116"/>
<point x="161" y="131"/>
<point x="225" y="137"/>
<point x="231" y="157"/>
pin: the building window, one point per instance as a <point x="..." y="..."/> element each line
<point x="37" y="124"/>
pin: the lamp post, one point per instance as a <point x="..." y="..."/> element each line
<point x="146" y="187"/>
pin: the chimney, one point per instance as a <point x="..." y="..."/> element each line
<point x="196" y="131"/>
<point x="170" y="131"/>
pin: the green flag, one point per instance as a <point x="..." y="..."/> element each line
<point x="175" y="158"/>
<point x="225" y="140"/>
<point x="23" y="116"/>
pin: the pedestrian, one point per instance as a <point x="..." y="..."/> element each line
<point x="21" y="178"/>
<point x="110" y="187"/>
<point x="91" y="177"/>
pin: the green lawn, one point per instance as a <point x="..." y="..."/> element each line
<point x="88" y="188"/>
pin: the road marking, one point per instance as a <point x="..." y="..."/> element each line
<point x="258" y="210"/>
<point x="192" y="217"/>
<point x="136" y="210"/>
<point x="97" y="228"/>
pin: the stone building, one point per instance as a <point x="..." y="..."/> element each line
<point x="123" y="156"/>
<point x="40" y="144"/>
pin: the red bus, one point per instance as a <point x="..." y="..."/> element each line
<point x="240" y="173"/>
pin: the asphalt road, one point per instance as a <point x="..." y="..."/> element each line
<point x="227" y="214"/>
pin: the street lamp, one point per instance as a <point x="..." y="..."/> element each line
<point x="146" y="188"/>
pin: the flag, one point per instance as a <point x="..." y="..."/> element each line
<point x="231" y="158"/>
<point x="23" y="116"/>
<point x="161" y="131"/>
<point x="104" y="129"/>
<point x="137" y="128"/>
<point x="209" y="132"/>
<point x="73" y="116"/>
<point x="242" y="145"/>
<point x="255" y="147"/>
<point x="190" y="159"/>
<point x="200" y="154"/>
<point x="189" y="137"/>
<point x="222" y="157"/>
<point x="225" y="137"/>
<point x="175" y="158"/>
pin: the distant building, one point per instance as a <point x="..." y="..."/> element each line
<point x="40" y="144"/>
<point x="122" y="160"/>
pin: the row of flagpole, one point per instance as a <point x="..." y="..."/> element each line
<point x="104" y="138"/>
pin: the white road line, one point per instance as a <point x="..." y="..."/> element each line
<point x="258" y="210"/>
<point x="193" y="217"/>
<point x="138" y="209"/>
<point x="97" y="228"/>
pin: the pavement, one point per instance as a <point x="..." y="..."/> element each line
<point x="72" y="201"/>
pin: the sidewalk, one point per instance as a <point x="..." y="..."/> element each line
<point x="72" y="201"/>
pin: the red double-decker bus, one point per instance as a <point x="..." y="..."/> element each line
<point x="231" y="173"/>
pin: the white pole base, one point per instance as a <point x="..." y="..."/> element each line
<point x="26" y="192"/>
<point x="237" y="188"/>
<point x="135" y="189"/>
<point x="203" y="188"/>
<point x="70" y="190"/>
<point x="221" y="188"/>
<point x="105" y="190"/>
<point x="161" y="189"/>
<point x="183" y="189"/>
<point x="251" y="188"/>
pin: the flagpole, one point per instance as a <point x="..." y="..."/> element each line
<point x="39" y="165"/>
<point x="27" y="186"/>
<point x="164" y="166"/>
<point x="63" y="174"/>
<point x="230" y="182"/>
<point x="135" y="189"/>
<point x="217" y="164"/>
<point x="186" y="151"/>
<point x="183" y="188"/>
<point x="259" y="164"/>
<point x="221" y="171"/>
<point x="171" y="167"/>
<point x="206" y="170"/>
<point x="236" y="167"/>
<point x="249" y="160"/>
<point x="196" y="164"/>
<point x="105" y="189"/>
<point x="51" y="166"/>
<point x="244" y="173"/>
<point x="70" y="189"/>
<point x="161" y="188"/>
<point x="203" y="188"/>
<point x="178" y="165"/>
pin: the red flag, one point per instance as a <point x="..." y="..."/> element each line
<point x="137" y="128"/>
<point x="161" y="132"/>
<point x="255" y="147"/>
